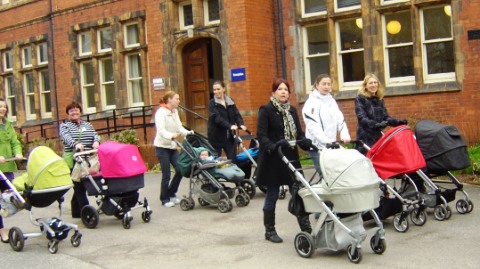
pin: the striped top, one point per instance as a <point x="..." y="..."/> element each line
<point x="72" y="134"/>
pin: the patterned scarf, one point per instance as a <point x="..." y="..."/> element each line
<point x="289" y="130"/>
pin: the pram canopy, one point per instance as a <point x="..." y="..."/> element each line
<point x="119" y="160"/>
<point x="45" y="170"/>
<point x="243" y="156"/>
<point x="396" y="152"/>
<point x="442" y="146"/>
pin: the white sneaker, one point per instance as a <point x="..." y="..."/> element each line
<point x="169" y="204"/>
<point x="175" y="200"/>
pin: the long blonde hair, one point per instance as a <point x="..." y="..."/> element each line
<point x="365" y="92"/>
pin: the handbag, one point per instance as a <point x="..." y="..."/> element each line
<point x="91" y="164"/>
<point x="295" y="204"/>
<point x="68" y="157"/>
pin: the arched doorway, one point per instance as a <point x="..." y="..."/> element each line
<point x="202" y="63"/>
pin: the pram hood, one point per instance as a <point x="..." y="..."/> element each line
<point x="346" y="170"/>
<point x="119" y="160"/>
<point x="243" y="156"/>
<point x="396" y="152"/>
<point x="442" y="146"/>
<point x="45" y="170"/>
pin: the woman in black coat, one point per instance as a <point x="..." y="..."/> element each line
<point x="223" y="119"/>
<point x="277" y="124"/>
<point x="371" y="113"/>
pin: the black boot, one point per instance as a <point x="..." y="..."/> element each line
<point x="304" y="223"/>
<point x="269" y="222"/>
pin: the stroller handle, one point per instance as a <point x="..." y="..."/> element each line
<point x="11" y="159"/>
<point x="85" y="152"/>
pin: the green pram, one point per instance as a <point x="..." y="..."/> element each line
<point x="47" y="179"/>
<point x="209" y="179"/>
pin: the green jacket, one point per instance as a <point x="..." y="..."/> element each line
<point x="9" y="146"/>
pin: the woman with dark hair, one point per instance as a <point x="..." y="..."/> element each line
<point x="277" y="124"/>
<point x="77" y="135"/>
<point x="371" y="113"/>
<point x="9" y="147"/>
<point x="169" y="127"/>
<point x="223" y="118"/>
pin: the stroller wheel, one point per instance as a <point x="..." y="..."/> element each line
<point x="304" y="245"/>
<point x="185" y="204"/>
<point x="400" y="223"/>
<point x="461" y="206"/>
<point x="378" y="247"/>
<point x="249" y="187"/>
<point x="146" y="216"/>
<point x="470" y="206"/>
<point x="90" y="217"/>
<point x="418" y="217"/>
<point x="17" y="240"/>
<point x="440" y="212"/>
<point x="53" y="246"/>
<point x="242" y="200"/>
<point x="126" y="223"/>
<point x="76" y="239"/>
<point x="354" y="255"/>
<point x="223" y="206"/>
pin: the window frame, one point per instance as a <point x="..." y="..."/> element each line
<point x="80" y="43"/>
<point x="43" y="92"/>
<point x="439" y="77"/>
<point x="130" y="80"/>
<point x="355" y="7"/>
<point x="206" y="12"/>
<point x="351" y="85"/>
<point x="385" y="2"/>
<point x="99" y="40"/>
<point x="39" y="54"/>
<point x="84" y="87"/>
<point x="308" y="15"/>
<point x="125" y="35"/>
<point x="401" y="81"/>
<point x="307" y="56"/>
<point x="27" y="94"/>
<point x="4" y="60"/>
<point x="181" y="15"/>
<point x="104" y="83"/>
<point x="10" y="98"/>
<point x="27" y="57"/>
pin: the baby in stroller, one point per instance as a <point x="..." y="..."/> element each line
<point x="46" y="181"/>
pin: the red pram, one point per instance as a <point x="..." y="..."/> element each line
<point x="122" y="175"/>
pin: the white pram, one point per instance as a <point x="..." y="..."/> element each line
<point x="349" y="187"/>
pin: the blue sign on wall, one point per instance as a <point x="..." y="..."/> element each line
<point x="238" y="74"/>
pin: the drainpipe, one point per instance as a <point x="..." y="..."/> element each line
<point x="51" y="48"/>
<point x="282" y="41"/>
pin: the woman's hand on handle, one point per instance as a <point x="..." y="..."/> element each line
<point x="95" y="145"/>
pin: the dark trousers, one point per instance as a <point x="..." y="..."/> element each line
<point x="4" y="187"/>
<point x="229" y="148"/>
<point x="79" y="199"/>
<point x="168" y="188"/>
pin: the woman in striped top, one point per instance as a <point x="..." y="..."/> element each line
<point x="78" y="135"/>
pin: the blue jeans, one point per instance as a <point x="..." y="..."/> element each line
<point x="316" y="160"/>
<point x="271" y="198"/>
<point x="168" y="188"/>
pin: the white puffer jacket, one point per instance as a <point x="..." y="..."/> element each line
<point x="323" y="119"/>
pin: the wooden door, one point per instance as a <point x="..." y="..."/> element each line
<point x="197" y="94"/>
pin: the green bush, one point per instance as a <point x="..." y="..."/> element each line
<point x="474" y="154"/>
<point x="127" y="137"/>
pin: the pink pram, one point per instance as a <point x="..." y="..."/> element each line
<point x="117" y="184"/>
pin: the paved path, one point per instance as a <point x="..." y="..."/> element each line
<point x="206" y="238"/>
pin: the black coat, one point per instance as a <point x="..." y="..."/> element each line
<point x="220" y="119"/>
<point x="370" y="111"/>
<point x="272" y="171"/>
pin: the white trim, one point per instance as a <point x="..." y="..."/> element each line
<point x="25" y="57"/>
<point x="307" y="56"/>
<point x="206" y="12"/>
<point x="85" y="87"/>
<point x="384" y="2"/>
<point x="99" y="40"/>
<point x="132" y="80"/>
<point x="28" y="94"/>
<point x="307" y="15"/>
<point x="352" y="85"/>
<point x="181" y="16"/>
<point x="81" y="51"/>
<point x="39" y="49"/>
<point x="103" y="84"/>
<point x="125" y="35"/>
<point x="4" y="60"/>
<point x="43" y="92"/>
<point x="10" y="98"/>
<point x="345" y="8"/>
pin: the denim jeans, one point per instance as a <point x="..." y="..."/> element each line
<point x="168" y="188"/>
<point x="271" y="198"/>
<point x="316" y="160"/>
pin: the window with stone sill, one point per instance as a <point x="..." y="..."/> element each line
<point x="398" y="43"/>
<point x="344" y="5"/>
<point x="10" y="97"/>
<point x="85" y="43"/>
<point x="42" y="53"/>
<point x="437" y="44"/>
<point x="351" y="67"/>
<point x="45" y="94"/>
<point x="104" y="39"/>
<point x="27" y="57"/>
<point x="107" y="84"/>
<point x="316" y="52"/>
<point x="387" y="2"/>
<point x="212" y="11"/>
<point x="7" y="61"/>
<point x="313" y="7"/>
<point x="29" y="94"/>
<point x="185" y="15"/>
<point x="88" y="87"/>
<point x="134" y="80"/>
<point x="131" y="35"/>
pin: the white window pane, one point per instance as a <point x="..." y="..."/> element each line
<point x="110" y="94"/>
<point x="347" y="3"/>
<point x="87" y="73"/>
<point x="7" y="60"/>
<point x="318" y="65"/>
<point x="27" y="56"/>
<point x="317" y="37"/>
<point x="132" y="34"/>
<point x="437" y="24"/>
<point x="400" y="61"/>
<point x="10" y="86"/>
<point x="85" y="43"/>
<point x="135" y="69"/>
<point x="31" y="104"/>
<point x="398" y="28"/>
<point x="314" y="6"/>
<point x="45" y="81"/>
<point x="43" y="53"/>
<point x="29" y="83"/>
<point x="213" y="10"/>
<point x="137" y="91"/>
<point x="90" y="96"/>
<point x="107" y="70"/>
<point x="350" y="35"/>
<point x="440" y="57"/>
<point x="187" y="15"/>
<point x="105" y="39"/>
<point x="47" y="102"/>
<point x="353" y="66"/>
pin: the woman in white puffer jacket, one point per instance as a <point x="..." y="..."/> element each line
<point x="323" y="119"/>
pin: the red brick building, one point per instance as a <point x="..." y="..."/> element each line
<point x="112" y="54"/>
